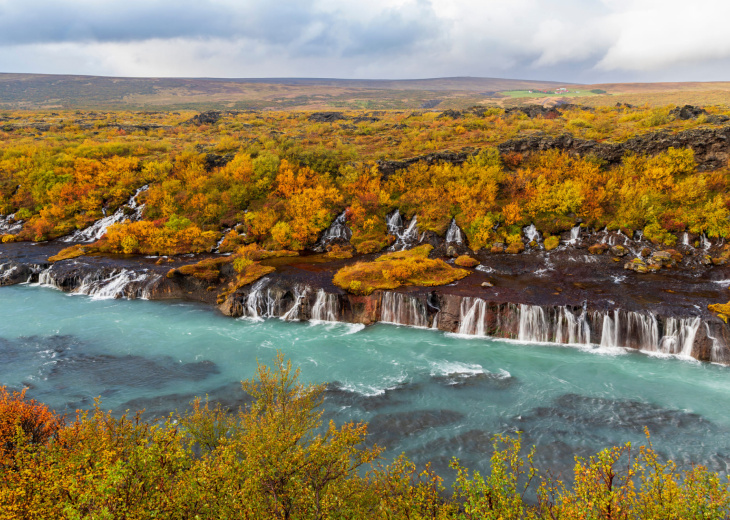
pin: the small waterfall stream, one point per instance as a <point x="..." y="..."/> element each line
<point x="131" y="211"/>
<point x="574" y="235"/>
<point x="454" y="235"/>
<point x="10" y="226"/>
<point x="404" y="238"/>
<point x="338" y="230"/>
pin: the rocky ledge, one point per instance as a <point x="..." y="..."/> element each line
<point x="586" y="291"/>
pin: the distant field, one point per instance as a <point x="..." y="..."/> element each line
<point x="52" y="92"/>
<point x="537" y="94"/>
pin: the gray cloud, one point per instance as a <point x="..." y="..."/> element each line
<point x="568" y="40"/>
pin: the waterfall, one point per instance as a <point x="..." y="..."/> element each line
<point x="717" y="354"/>
<point x="610" y="331"/>
<point x="293" y="314"/>
<point x="685" y="239"/>
<point x="112" y="286"/>
<point x="679" y="336"/>
<point x="338" y="230"/>
<point x="435" y="324"/>
<point x="571" y="329"/>
<point x="97" y="230"/>
<point x="256" y="301"/>
<point x="401" y="309"/>
<point x="705" y="242"/>
<point x="473" y="317"/>
<point x="531" y="233"/>
<point x="534" y="325"/>
<point x="453" y="235"/>
<point x="404" y="239"/>
<point x="5" y="272"/>
<point x="325" y="307"/>
<point x="641" y="331"/>
<point x="574" y="235"/>
<point x="394" y="223"/>
<point x="9" y="226"/>
<point x="103" y="284"/>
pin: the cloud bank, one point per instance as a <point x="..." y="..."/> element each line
<point x="567" y="40"/>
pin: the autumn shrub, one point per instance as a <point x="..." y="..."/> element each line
<point x="23" y="422"/>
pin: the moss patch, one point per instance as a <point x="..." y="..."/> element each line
<point x="394" y="270"/>
<point x="721" y="309"/>
<point x="551" y="242"/>
<point x="466" y="261"/>
<point x="208" y="269"/>
<point x="72" y="252"/>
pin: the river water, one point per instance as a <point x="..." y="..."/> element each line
<point x="430" y="394"/>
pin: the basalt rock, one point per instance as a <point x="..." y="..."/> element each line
<point x="206" y="118"/>
<point x="327" y="117"/>
<point x="711" y="146"/>
<point x="388" y="168"/>
<point x="688" y="112"/>
<point x="533" y="111"/>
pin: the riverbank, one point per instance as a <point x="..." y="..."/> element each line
<point x="577" y="293"/>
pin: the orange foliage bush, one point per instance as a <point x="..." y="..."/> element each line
<point x="23" y="421"/>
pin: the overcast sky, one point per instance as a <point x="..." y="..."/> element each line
<point x="585" y="41"/>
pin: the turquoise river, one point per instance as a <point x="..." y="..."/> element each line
<point x="430" y="394"/>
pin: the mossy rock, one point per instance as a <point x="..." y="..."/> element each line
<point x="618" y="250"/>
<point x="466" y="261"/>
<point x="598" y="249"/>
<point x="551" y="243"/>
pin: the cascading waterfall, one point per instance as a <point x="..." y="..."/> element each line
<point x="531" y="233"/>
<point x="338" y="230"/>
<point x="570" y="328"/>
<point x="473" y="317"/>
<point x="131" y="211"/>
<point x="105" y="285"/>
<point x="293" y="314"/>
<point x="641" y="332"/>
<point x="404" y="238"/>
<point x="679" y="336"/>
<point x="574" y="235"/>
<point x="534" y="324"/>
<point x="401" y="309"/>
<point x="705" y="242"/>
<point x="610" y="331"/>
<point x="453" y="235"/>
<point x="685" y="239"/>
<point x="10" y="226"/>
<point x="114" y="285"/>
<point x="6" y="270"/>
<point x="717" y="354"/>
<point x="325" y="307"/>
<point x="259" y="304"/>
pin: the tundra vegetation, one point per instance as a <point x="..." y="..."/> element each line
<point x="276" y="458"/>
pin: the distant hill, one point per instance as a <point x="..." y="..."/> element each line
<point x="42" y="91"/>
<point x="51" y="91"/>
